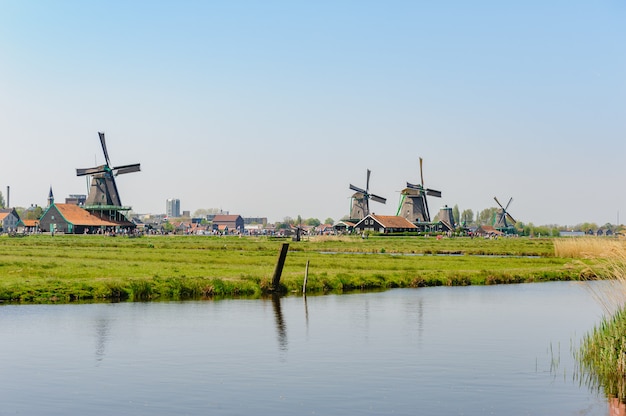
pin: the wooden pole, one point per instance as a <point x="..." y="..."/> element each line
<point x="306" y="276"/>
<point x="279" y="266"/>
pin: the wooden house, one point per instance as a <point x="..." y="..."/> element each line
<point x="385" y="224"/>
<point x="9" y="220"/>
<point x="72" y="219"/>
<point x="228" y="223"/>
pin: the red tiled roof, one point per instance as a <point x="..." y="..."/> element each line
<point x="79" y="216"/>
<point x="30" y="223"/>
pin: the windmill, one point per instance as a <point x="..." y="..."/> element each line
<point x="360" y="200"/>
<point x="413" y="204"/>
<point x="504" y="220"/>
<point x="103" y="194"/>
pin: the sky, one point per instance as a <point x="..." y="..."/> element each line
<point x="273" y="108"/>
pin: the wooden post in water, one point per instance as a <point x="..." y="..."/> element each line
<point x="279" y="266"/>
<point x="306" y="276"/>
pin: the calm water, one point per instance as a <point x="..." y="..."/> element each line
<point x="501" y="350"/>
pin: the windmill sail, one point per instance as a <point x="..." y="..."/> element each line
<point x="360" y="200"/>
<point x="103" y="190"/>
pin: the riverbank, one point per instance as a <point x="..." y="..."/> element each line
<point x="67" y="268"/>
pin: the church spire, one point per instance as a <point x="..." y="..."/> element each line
<point x="50" y="197"/>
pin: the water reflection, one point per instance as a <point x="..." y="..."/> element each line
<point x="102" y="335"/>
<point x="281" y="327"/>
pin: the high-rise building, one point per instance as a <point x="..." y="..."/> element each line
<point x="172" y="207"/>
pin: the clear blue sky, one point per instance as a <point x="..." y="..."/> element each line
<point x="272" y="108"/>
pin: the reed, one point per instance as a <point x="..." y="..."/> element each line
<point x="586" y="248"/>
<point x="602" y="354"/>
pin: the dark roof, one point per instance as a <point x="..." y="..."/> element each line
<point x="225" y="218"/>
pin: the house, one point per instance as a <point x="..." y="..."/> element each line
<point x="488" y="231"/>
<point x="28" y="226"/>
<point x="344" y="226"/>
<point x="324" y="229"/>
<point x="72" y="219"/>
<point x="385" y="224"/>
<point x="228" y="223"/>
<point x="9" y="220"/>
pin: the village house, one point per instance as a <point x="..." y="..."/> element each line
<point x="228" y="224"/>
<point x="26" y="226"/>
<point x="72" y="219"/>
<point x="385" y="224"/>
<point x="9" y="220"/>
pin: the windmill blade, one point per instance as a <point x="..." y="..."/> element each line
<point x="509" y="203"/>
<point x="367" y="184"/>
<point x="433" y="192"/>
<point x="90" y="171"/>
<point x="378" y="198"/>
<point x="421" y="173"/>
<point x="357" y="189"/>
<point x="511" y="219"/>
<point x="104" y="148"/>
<point x="119" y="170"/>
<point x="498" y="202"/>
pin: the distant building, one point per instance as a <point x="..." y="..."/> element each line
<point x="76" y="200"/>
<point x="172" y="207"/>
<point x="228" y="224"/>
<point x="8" y="219"/>
<point x="255" y="220"/>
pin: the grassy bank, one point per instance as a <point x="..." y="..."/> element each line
<point x="602" y="354"/>
<point x="67" y="268"/>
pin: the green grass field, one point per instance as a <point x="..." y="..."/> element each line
<point x="67" y="268"/>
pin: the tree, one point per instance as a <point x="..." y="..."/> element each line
<point x="1" y="200"/>
<point x="329" y="221"/>
<point x="467" y="217"/>
<point x="487" y="216"/>
<point x="314" y="222"/>
<point x="32" y="213"/>
<point x="455" y="214"/>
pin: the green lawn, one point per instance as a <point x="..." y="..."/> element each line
<point x="68" y="268"/>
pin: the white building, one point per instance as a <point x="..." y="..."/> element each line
<point x="172" y="207"/>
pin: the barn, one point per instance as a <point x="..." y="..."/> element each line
<point x="228" y="224"/>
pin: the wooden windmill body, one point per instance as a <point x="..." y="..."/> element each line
<point x="360" y="200"/>
<point x="413" y="203"/>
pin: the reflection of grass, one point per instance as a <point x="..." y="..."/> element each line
<point x="65" y="268"/>
<point x="602" y="355"/>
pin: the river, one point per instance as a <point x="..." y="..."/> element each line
<point x="476" y="350"/>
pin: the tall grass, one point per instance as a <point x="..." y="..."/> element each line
<point x="602" y="355"/>
<point x="586" y="248"/>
